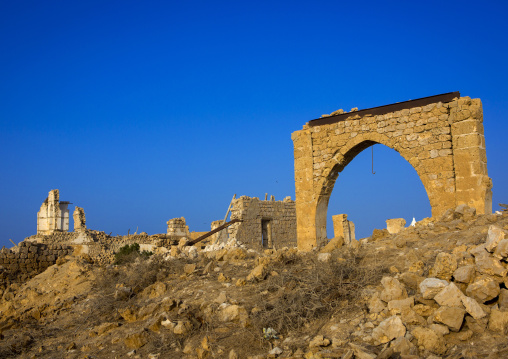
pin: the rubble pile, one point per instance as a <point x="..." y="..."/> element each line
<point x="435" y="290"/>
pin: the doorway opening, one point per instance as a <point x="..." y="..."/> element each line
<point x="266" y="233"/>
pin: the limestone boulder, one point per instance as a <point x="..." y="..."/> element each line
<point x="234" y="313"/>
<point x="424" y="310"/>
<point x="136" y="340"/>
<point x="430" y="340"/>
<point x="410" y="317"/>
<point x="444" y="266"/>
<point x="503" y="300"/>
<point x="258" y="273"/>
<point x="393" y="289"/>
<point x="439" y="328"/>
<point x="452" y="317"/>
<point x="411" y="280"/>
<point x="498" y="321"/>
<point x="375" y="304"/>
<point x="483" y="289"/>
<point x="398" y="306"/>
<point x="324" y="257"/>
<point x="430" y="287"/>
<point x="334" y="243"/>
<point x="486" y="264"/>
<point x="494" y="236"/>
<point x="389" y="329"/>
<point x="450" y="296"/>
<point x="472" y="307"/>
<point x="501" y="251"/>
<point x="464" y="274"/>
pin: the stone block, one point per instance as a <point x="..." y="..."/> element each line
<point x="395" y="225"/>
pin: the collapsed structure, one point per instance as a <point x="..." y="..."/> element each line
<point x="53" y="215"/>
<point x="440" y="136"/>
<point x="265" y="224"/>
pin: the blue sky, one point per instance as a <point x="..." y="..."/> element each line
<point x="145" y="111"/>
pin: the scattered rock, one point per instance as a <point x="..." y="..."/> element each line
<point x="464" y="274"/>
<point x="498" y="321"/>
<point x="473" y="308"/>
<point x="393" y="289"/>
<point x="444" y="266"/>
<point x="494" y="236"/>
<point x="483" y="290"/>
<point x="136" y="340"/>
<point x="258" y="273"/>
<point x="452" y="317"/>
<point x="429" y="340"/>
<point x="450" y="296"/>
<point x="389" y="329"/>
<point x="432" y="286"/>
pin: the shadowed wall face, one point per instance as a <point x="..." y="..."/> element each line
<point x="443" y="142"/>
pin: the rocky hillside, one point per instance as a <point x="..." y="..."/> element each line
<point x="437" y="290"/>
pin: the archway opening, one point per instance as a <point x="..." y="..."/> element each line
<point x="394" y="191"/>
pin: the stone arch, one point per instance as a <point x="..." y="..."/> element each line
<point x="341" y="159"/>
<point x="441" y="137"/>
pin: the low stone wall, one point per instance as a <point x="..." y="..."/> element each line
<point x="27" y="260"/>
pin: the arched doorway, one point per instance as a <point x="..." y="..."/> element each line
<point x="368" y="200"/>
<point x="440" y="136"/>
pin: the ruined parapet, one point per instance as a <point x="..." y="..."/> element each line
<point x="79" y="219"/>
<point x="265" y="224"/>
<point x="53" y="215"/>
<point x="395" y="225"/>
<point x="178" y="228"/>
<point x="342" y="227"/>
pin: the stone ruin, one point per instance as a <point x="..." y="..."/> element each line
<point x="265" y="224"/>
<point x="440" y="136"/>
<point x="53" y="215"/>
<point x="178" y="228"/>
<point x="79" y="219"/>
<point x="344" y="228"/>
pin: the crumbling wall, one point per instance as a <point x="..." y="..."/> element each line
<point x="79" y="219"/>
<point x="53" y="215"/>
<point x="265" y="224"/>
<point x="178" y="227"/>
<point x="27" y="260"/>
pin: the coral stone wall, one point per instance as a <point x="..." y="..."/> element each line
<point x="280" y="215"/>
<point x="28" y="260"/>
<point x="444" y="143"/>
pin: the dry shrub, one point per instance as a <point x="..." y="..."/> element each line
<point x="136" y="275"/>
<point x="306" y="289"/>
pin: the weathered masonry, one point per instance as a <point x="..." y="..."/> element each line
<point x="440" y="136"/>
<point x="53" y="215"/>
<point x="265" y="224"/>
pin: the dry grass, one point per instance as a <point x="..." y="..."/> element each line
<point x="306" y="290"/>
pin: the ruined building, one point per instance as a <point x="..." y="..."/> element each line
<point x="53" y="215"/>
<point x="79" y="219"/>
<point x="178" y="228"/>
<point x="265" y="224"/>
<point x="440" y="136"/>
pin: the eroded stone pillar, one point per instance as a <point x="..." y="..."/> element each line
<point x="178" y="228"/>
<point x="344" y="228"/>
<point x="473" y="185"/>
<point x="79" y="219"/>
